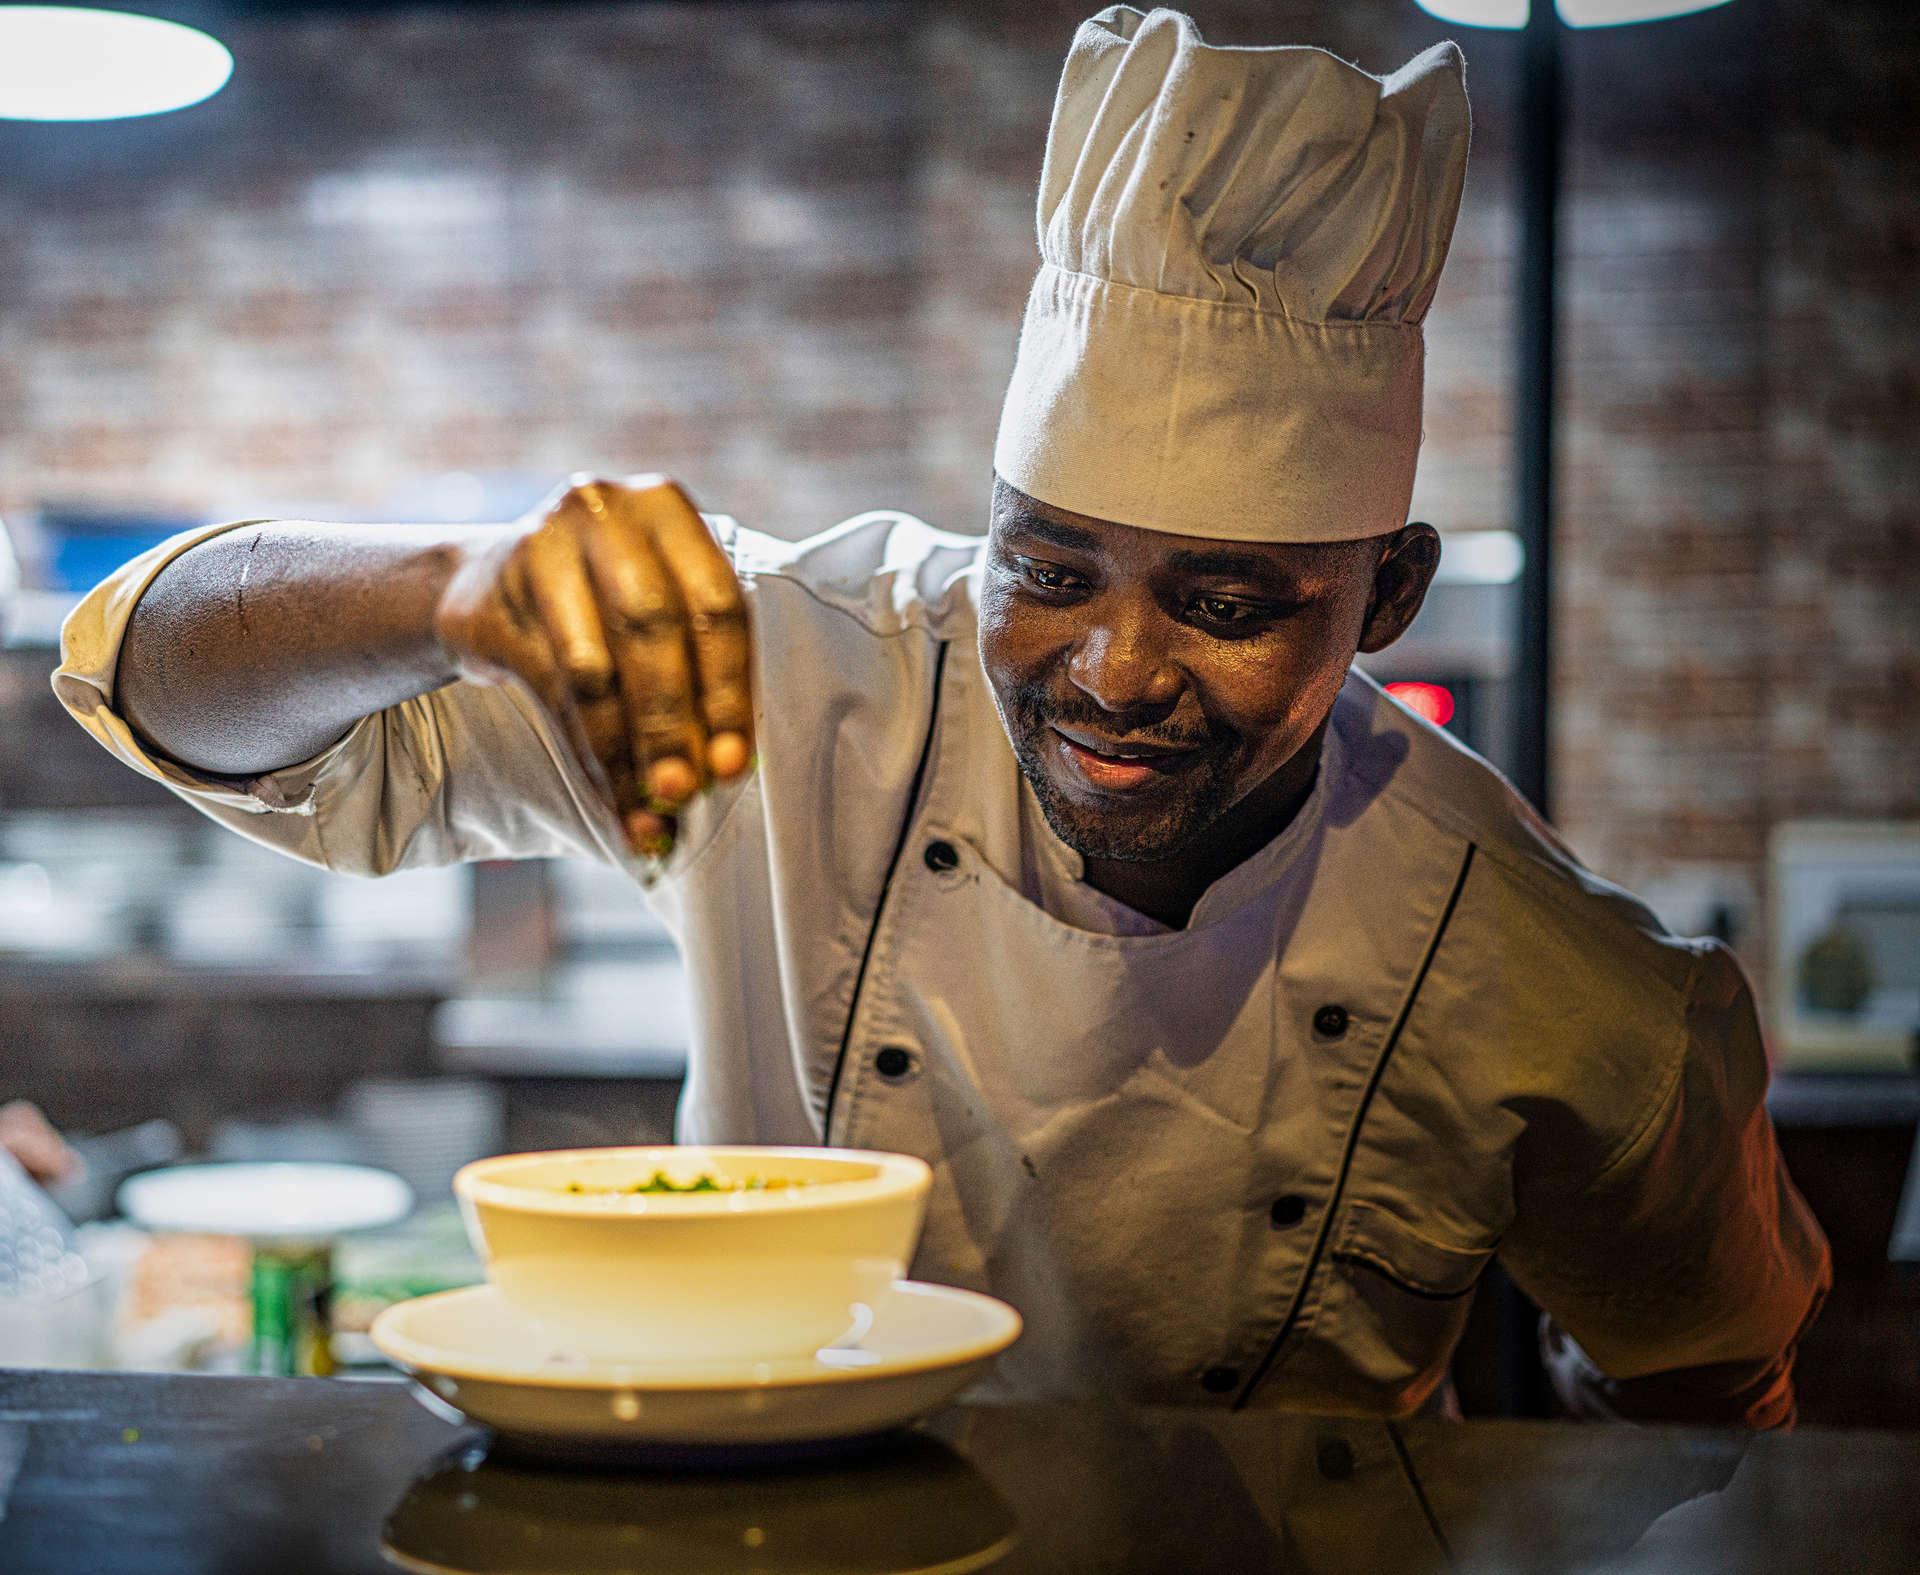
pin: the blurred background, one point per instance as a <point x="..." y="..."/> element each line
<point x="419" y="262"/>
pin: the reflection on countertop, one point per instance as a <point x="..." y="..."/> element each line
<point x="912" y="1505"/>
<point x="123" y="1471"/>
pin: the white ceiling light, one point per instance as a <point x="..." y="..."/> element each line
<point x="1616" y="13"/>
<point x="65" y="63"/>
<point x="1478" y="13"/>
<point x="1575" y="13"/>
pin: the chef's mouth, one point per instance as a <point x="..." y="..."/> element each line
<point x="1116" y="765"/>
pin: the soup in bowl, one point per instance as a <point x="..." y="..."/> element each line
<point x="693" y="1254"/>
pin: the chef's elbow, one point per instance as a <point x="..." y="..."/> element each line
<point x="1753" y="1394"/>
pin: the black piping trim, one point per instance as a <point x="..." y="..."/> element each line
<point x="886" y="886"/>
<point x="1361" y="1260"/>
<point x="1420" y="1494"/>
<point x="1353" y="1135"/>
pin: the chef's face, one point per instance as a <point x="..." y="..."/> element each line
<point x="1150" y="683"/>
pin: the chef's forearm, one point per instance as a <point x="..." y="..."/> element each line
<point x="258" y="647"/>
<point x="1756" y="1394"/>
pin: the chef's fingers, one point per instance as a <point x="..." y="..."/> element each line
<point x="489" y="621"/>
<point x="562" y="594"/>
<point x="650" y="833"/>
<point x="647" y="633"/>
<point x="549" y="575"/>
<point x="507" y="642"/>
<point x="717" y="628"/>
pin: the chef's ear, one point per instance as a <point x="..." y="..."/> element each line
<point x="1402" y="572"/>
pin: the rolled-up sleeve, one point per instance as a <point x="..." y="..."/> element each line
<point x="1689" y="1248"/>
<point x="467" y="771"/>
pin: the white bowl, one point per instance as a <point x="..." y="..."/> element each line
<point x="694" y="1277"/>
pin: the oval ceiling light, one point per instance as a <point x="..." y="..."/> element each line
<point x="67" y="63"/>
<point x="1618" y="13"/>
<point x="1478" y="13"/>
<point x="1575" y="13"/>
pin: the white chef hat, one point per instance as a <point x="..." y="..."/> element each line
<point x="1237" y="249"/>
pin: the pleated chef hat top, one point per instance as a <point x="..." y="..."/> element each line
<point x="1237" y="249"/>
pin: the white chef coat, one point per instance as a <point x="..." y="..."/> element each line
<point x="1261" y="1160"/>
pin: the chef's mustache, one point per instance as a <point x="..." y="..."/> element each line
<point x="1036" y="708"/>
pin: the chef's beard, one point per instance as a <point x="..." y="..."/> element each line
<point x="1180" y="811"/>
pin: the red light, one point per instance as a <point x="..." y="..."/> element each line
<point x="1428" y="700"/>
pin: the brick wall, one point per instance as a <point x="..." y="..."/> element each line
<point x="781" y="252"/>
<point x="1740" y="598"/>
<point x="1659" y="745"/>
<point x="1843" y="416"/>
<point x="517" y="240"/>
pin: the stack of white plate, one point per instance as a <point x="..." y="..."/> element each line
<point x="425" y="1129"/>
<point x="52" y="1312"/>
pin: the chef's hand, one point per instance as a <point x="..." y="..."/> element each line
<point x="30" y="1138"/>
<point x="616" y="607"/>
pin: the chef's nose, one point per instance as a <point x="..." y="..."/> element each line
<point x="1121" y="666"/>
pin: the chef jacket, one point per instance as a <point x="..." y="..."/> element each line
<point x="1259" y="1160"/>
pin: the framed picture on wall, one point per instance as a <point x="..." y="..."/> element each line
<point x="1845" y="974"/>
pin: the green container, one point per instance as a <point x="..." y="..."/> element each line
<point x="293" y="1309"/>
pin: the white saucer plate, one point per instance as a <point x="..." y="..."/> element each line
<point x="470" y="1350"/>
<point x="266" y="1201"/>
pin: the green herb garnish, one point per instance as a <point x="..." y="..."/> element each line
<point x="661" y="1182"/>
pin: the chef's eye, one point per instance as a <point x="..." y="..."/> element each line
<point x="1047" y="577"/>
<point x="1223" y="610"/>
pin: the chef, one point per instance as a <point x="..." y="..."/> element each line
<point x="1244" y="1017"/>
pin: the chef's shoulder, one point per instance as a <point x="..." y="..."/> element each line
<point x="1428" y="776"/>
<point x="885" y="573"/>
<point x="1581" y="1000"/>
<point x="1598" y="1083"/>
